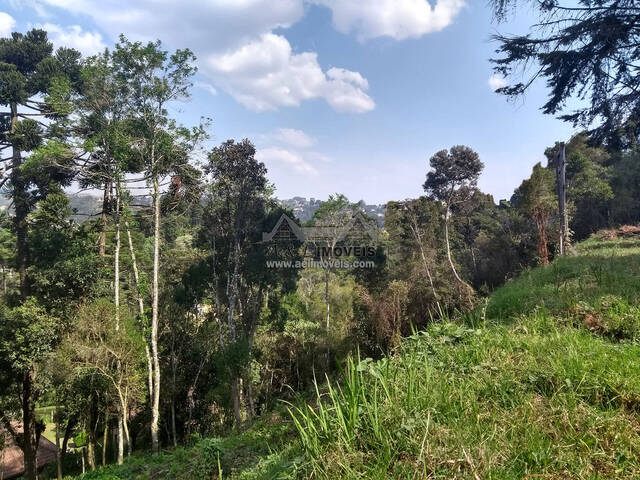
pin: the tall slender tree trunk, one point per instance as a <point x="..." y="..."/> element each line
<point x="467" y="287"/>
<point x="448" y="245"/>
<point x="232" y="286"/>
<point x="116" y="261"/>
<point x="21" y="210"/>
<point x="102" y="239"/>
<point x="91" y="451"/>
<point x="67" y="435"/>
<point x="425" y="265"/>
<point x="120" y="440"/>
<point x="136" y="277"/>
<point x="155" y="403"/>
<point x="105" y="437"/>
<point x="30" y="440"/>
<point x="125" y="427"/>
<point x="327" y="324"/>
<point x="173" y="423"/>
<point x="116" y="297"/>
<point x="58" y="454"/>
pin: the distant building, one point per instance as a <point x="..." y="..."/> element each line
<point x="12" y="458"/>
<point x="304" y="209"/>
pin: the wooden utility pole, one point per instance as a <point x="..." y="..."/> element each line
<point x="561" y="185"/>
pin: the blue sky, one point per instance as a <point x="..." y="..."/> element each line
<point x="349" y="96"/>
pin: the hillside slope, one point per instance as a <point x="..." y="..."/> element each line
<point x="543" y="382"/>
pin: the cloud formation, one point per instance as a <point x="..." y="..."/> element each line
<point x="497" y="81"/>
<point x="87" y="43"/>
<point x="206" y="87"/>
<point x="398" y="19"/>
<point x="239" y="50"/>
<point x="266" y="74"/>
<point x="293" y="137"/>
<point x="277" y="158"/>
<point x="6" y="24"/>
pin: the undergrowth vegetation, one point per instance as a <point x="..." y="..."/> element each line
<point x="540" y="382"/>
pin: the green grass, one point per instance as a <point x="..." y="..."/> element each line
<point x="542" y="382"/>
<point x="46" y="415"/>
<point x="267" y="450"/>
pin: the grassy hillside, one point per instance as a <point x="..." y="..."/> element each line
<point x="542" y="382"/>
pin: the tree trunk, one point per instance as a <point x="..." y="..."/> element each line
<point x="425" y="265"/>
<point x="116" y="261"/>
<point x="120" y="440"/>
<point x="561" y="177"/>
<point x="21" y="210"/>
<point x="173" y="423"/>
<point x="30" y="436"/>
<point x="328" y="316"/>
<point x="232" y="295"/>
<point x="105" y="437"/>
<point x="136" y="276"/>
<point x="67" y="435"/>
<point x="466" y="286"/>
<point x="543" y="250"/>
<point x="127" y="437"/>
<point x="448" y="245"/>
<point x="102" y="239"/>
<point x="91" y="450"/>
<point x="58" y="453"/>
<point x="174" y="370"/>
<point x="235" y="396"/>
<point x="116" y="301"/>
<point x="155" y="403"/>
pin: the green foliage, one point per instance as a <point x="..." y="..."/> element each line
<point x="28" y="335"/>
<point x="452" y="169"/>
<point x="249" y="456"/>
<point x="577" y="61"/>
<point x="528" y="392"/>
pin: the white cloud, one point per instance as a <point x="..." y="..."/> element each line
<point x="265" y="74"/>
<point x="398" y="19"/>
<point x="497" y="81"/>
<point x="279" y="157"/>
<point x="293" y="137"/>
<point x="201" y="25"/>
<point x="7" y="23"/>
<point x="207" y="87"/>
<point x="87" y="43"/>
<point x="236" y="46"/>
<point x="346" y="91"/>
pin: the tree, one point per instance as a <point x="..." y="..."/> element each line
<point x="151" y="80"/>
<point x="330" y="219"/>
<point x="7" y="253"/>
<point x="113" y="354"/>
<point x="586" y="49"/>
<point x="588" y="185"/>
<point x="410" y="224"/>
<point x="453" y="174"/>
<point x="238" y="191"/>
<point x="536" y="198"/>
<point x="29" y="70"/>
<point x="36" y="85"/>
<point x="62" y="274"/>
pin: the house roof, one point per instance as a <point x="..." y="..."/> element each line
<point x="12" y="458"/>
